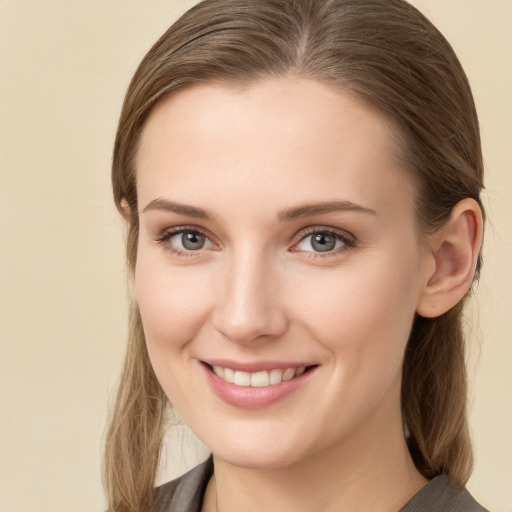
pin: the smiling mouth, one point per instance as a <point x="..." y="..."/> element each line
<point x="258" y="379"/>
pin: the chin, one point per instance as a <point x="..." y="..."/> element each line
<point x="255" y="459"/>
<point x="248" y="452"/>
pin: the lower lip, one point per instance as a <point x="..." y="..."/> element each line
<point x="247" y="397"/>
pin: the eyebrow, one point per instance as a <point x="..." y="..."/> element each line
<point x="286" y="215"/>
<point x="307" y="210"/>
<point x="174" y="207"/>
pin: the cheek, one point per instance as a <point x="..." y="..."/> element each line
<point x="363" y="315"/>
<point x="173" y="307"/>
<point x="362" y="318"/>
<point x="173" y="302"/>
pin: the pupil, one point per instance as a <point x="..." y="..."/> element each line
<point x="323" y="242"/>
<point x="192" y="241"/>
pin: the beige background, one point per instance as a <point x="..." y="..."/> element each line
<point x="64" y="66"/>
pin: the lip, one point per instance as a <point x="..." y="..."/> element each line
<point x="247" y="397"/>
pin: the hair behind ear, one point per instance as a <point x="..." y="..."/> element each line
<point x="434" y="385"/>
<point x="434" y="399"/>
<point x="136" y="429"/>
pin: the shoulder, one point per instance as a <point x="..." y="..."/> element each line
<point x="441" y="494"/>
<point x="185" y="494"/>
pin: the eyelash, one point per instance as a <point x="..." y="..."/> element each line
<point x="348" y="241"/>
<point x="164" y="238"/>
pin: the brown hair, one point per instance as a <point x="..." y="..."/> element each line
<point x="389" y="55"/>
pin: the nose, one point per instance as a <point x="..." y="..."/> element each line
<point x="248" y="303"/>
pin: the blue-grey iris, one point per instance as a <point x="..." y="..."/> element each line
<point x="323" y="242"/>
<point x="192" y="241"/>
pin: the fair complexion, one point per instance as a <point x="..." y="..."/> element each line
<point x="277" y="233"/>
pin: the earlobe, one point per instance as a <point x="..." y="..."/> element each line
<point x="454" y="250"/>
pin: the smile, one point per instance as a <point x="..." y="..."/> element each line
<point x="256" y="385"/>
<point x="257" y="379"/>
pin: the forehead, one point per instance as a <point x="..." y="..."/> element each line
<point x="292" y="138"/>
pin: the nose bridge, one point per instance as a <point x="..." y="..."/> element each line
<point x="248" y="307"/>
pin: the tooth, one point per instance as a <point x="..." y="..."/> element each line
<point x="289" y="374"/>
<point x="276" y="377"/>
<point x="229" y="375"/>
<point x="242" y="379"/>
<point x="218" y="370"/>
<point x="259" y="379"/>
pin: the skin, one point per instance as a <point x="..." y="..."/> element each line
<point x="258" y="290"/>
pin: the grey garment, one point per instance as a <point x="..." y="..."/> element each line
<point x="442" y="495"/>
<point x="185" y="494"/>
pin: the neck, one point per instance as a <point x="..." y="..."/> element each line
<point x="364" y="473"/>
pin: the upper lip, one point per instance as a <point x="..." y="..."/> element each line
<point x="256" y="366"/>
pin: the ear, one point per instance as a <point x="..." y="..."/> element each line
<point x="453" y="251"/>
<point x="125" y="210"/>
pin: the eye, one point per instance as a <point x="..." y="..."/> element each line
<point x="323" y="241"/>
<point x="183" y="240"/>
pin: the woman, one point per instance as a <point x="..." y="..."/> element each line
<point x="301" y="183"/>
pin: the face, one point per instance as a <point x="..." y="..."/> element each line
<point x="278" y="267"/>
